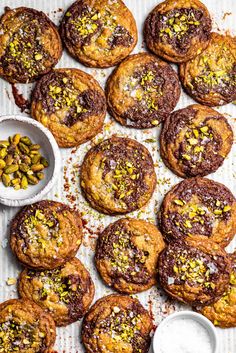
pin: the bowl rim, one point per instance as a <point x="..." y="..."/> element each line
<point x="56" y="156"/>
<point x="196" y="317"/>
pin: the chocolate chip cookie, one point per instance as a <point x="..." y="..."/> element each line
<point x="142" y="91"/>
<point x="195" y="272"/>
<point x="117" y="324"/>
<point x="210" y="78"/>
<point x="195" y="141"/>
<point x="118" y="176"/>
<point x="25" y="328"/>
<point x="223" y="312"/>
<point x="199" y="206"/>
<point x="178" y="30"/>
<point x="66" y="292"/>
<point x="71" y="104"/>
<point x="127" y="254"/>
<point x="99" y="33"/>
<point x="26" y="50"/>
<point x="46" y="234"/>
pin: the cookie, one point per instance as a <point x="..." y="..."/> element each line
<point x="127" y="254"/>
<point x="178" y="30"/>
<point x="223" y="312"/>
<point x="66" y="292"/>
<point x="46" y="234"/>
<point x="210" y="78"/>
<point x="99" y="33"/>
<point x="118" y="176"/>
<point x="199" y="206"/>
<point x="26" y="50"/>
<point x="25" y="328"/>
<point x="142" y="91"/>
<point x="195" y="272"/>
<point x="195" y="141"/>
<point x="71" y="104"/>
<point x="117" y="324"/>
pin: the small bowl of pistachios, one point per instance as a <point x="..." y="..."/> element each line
<point x="29" y="161"/>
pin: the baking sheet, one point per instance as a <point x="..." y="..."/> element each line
<point x="67" y="188"/>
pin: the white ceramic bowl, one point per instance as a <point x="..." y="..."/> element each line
<point x="10" y="125"/>
<point x="207" y="324"/>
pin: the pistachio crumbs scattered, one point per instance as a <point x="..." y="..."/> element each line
<point x="192" y="213"/>
<point x="126" y="258"/>
<point x="197" y="139"/>
<point x="145" y="88"/>
<point x="194" y="270"/>
<point x="217" y="68"/>
<point x="101" y="23"/>
<point x="87" y="24"/>
<point x="65" y="95"/>
<point x="122" y="325"/>
<point x="67" y="288"/>
<point x="231" y="291"/>
<point x="42" y="228"/>
<point x="178" y="23"/>
<point x="25" y="50"/>
<point x="15" y="336"/>
<point x="126" y="173"/>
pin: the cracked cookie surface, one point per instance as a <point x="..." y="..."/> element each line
<point x="66" y="292"/>
<point x="99" y="33"/>
<point x="26" y="52"/>
<point x="25" y="328"/>
<point x="118" y="176"/>
<point x="195" y="141"/>
<point x="46" y="234"/>
<point x="178" y="30"/>
<point x="127" y="254"/>
<point x="199" y="206"/>
<point x="210" y="77"/>
<point x="117" y="323"/>
<point x="223" y="312"/>
<point x="196" y="271"/>
<point x="71" y="104"/>
<point x="142" y="91"/>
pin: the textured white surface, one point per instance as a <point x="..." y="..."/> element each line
<point x="68" y="338"/>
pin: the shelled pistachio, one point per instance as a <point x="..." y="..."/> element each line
<point x="21" y="163"/>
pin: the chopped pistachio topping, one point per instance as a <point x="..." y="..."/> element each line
<point x="194" y="270"/>
<point x="197" y="139"/>
<point x="16" y="336"/>
<point x="25" y="50"/>
<point x="226" y="208"/>
<point x="91" y="21"/>
<point x="125" y="255"/>
<point x="121" y="325"/>
<point x="42" y="228"/>
<point x="179" y="24"/>
<point x="179" y="202"/>
<point x="87" y="24"/>
<point x="212" y="78"/>
<point x="216" y="67"/>
<point x="66" y="97"/>
<point x="53" y="282"/>
<point x="233" y="278"/>
<point x="192" y="213"/>
<point x="145" y="89"/>
<point x="125" y="174"/>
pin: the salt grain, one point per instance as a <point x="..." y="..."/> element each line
<point x="184" y="336"/>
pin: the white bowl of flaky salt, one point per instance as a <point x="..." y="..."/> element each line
<point x="185" y="332"/>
